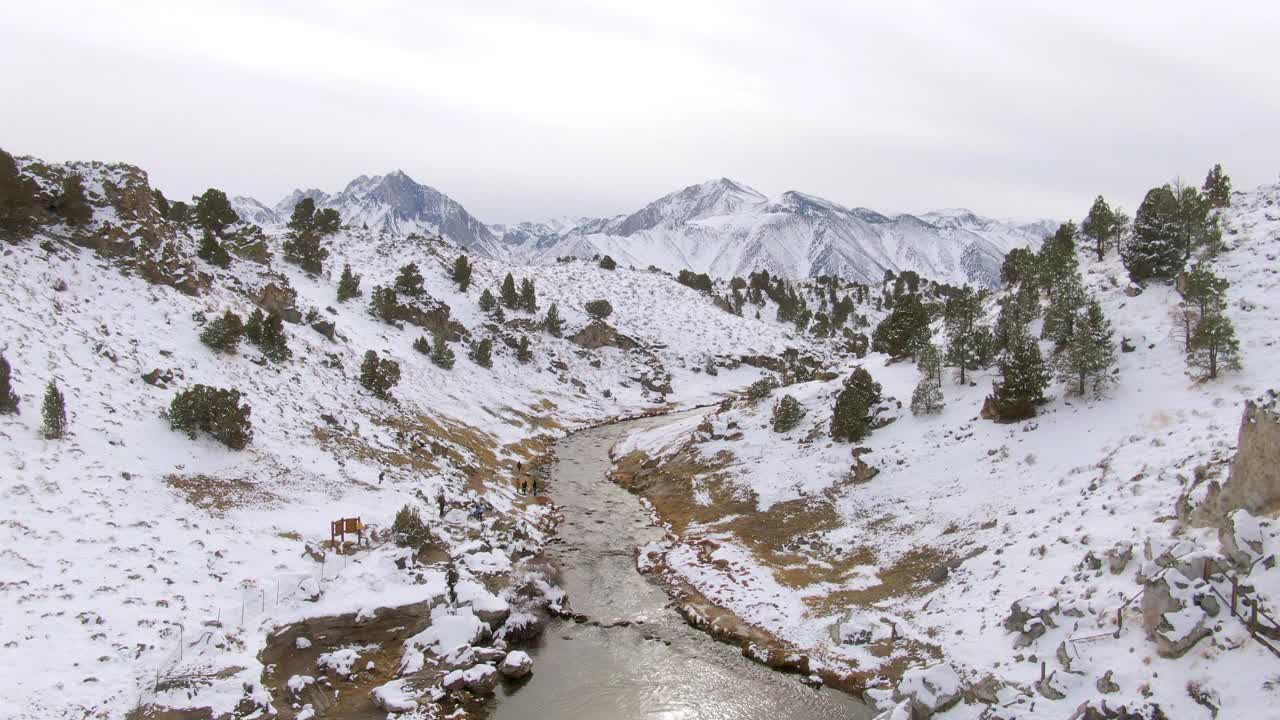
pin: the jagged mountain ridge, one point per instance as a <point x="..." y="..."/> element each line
<point x="725" y="228"/>
<point x="721" y="227"/>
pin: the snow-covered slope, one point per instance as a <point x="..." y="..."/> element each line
<point x="1069" y="514"/>
<point x="726" y="229"/>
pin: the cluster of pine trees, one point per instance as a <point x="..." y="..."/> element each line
<point x="1172" y="221"/>
<point x="53" y="410"/>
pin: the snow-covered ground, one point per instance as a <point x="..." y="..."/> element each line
<point x="967" y="516"/>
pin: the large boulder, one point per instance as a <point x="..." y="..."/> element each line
<point x="930" y="689"/>
<point x="1241" y="538"/>
<point x="280" y="300"/>
<point x="598" y="334"/>
<point x="479" y="679"/>
<point x="1171" y="616"/>
<point x="516" y="664"/>
<point x="1031" y="617"/>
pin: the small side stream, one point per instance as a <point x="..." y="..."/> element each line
<point x="653" y="665"/>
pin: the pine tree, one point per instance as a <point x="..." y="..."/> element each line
<point x="303" y="219"/>
<point x="927" y="398"/>
<point x="54" y="412"/>
<point x="487" y="303"/>
<point x="510" y="298"/>
<point x="929" y="362"/>
<point x="599" y="309"/>
<point x="441" y="354"/>
<point x="1023" y="379"/>
<point x="1017" y="310"/>
<point x="482" y="353"/>
<point x="348" y="284"/>
<point x="253" y="327"/>
<point x="961" y="315"/>
<point x="1019" y="267"/>
<point x="223" y="333"/>
<point x="179" y="212"/>
<point x="214" y="212"/>
<point x="461" y="273"/>
<point x="787" y="413"/>
<point x="1214" y="345"/>
<point x="327" y="222"/>
<point x="1153" y="252"/>
<point x="379" y="375"/>
<point x="409" y="281"/>
<point x="552" y="323"/>
<point x="1057" y="258"/>
<point x="528" y="297"/>
<point x="216" y="411"/>
<point x="272" y="340"/>
<point x="904" y="330"/>
<point x="384" y="304"/>
<point x="422" y="345"/>
<point x="1090" y="353"/>
<point x="1100" y="226"/>
<point x="17" y="196"/>
<point x="1069" y="297"/>
<point x="1194" y="223"/>
<point x="523" y="353"/>
<point x="302" y="247"/>
<point x="1217" y="187"/>
<point x="71" y="204"/>
<point x="211" y="251"/>
<point x="851" y="418"/>
<point x="8" y="398"/>
<point x="607" y="263"/>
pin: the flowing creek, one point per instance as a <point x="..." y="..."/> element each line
<point x="655" y="666"/>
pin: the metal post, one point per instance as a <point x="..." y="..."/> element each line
<point x="1208" y="568"/>
<point x="264" y="599"/>
<point x="1041" y="671"/>
<point x="242" y="611"/>
<point x="1235" y="592"/>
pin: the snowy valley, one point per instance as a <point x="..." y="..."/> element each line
<point x="403" y="363"/>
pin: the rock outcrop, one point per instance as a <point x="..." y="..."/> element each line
<point x="1254" y="483"/>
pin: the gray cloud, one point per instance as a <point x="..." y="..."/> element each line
<point x="524" y="110"/>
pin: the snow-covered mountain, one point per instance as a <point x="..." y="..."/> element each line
<point x="394" y="203"/>
<point x="720" y="227"/>
<point x="726" y="228"/>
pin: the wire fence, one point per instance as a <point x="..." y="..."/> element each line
<point x="255" y="601"/>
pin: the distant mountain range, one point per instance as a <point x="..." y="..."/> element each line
<point x="720" y="227"/>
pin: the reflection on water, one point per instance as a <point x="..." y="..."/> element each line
<point x="658" y="667"/>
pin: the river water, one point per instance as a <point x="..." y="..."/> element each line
<point x="657" y="667"/>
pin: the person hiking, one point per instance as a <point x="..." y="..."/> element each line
<point x="451" y="579"/>
<point x="440" y="500"/>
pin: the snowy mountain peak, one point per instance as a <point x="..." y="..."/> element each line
<point x="695" y="202"/>
<point x="395" y="203"/>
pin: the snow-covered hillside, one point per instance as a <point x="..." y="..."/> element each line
<point x="1070" y="515"/>
<point x="141" y="567"/>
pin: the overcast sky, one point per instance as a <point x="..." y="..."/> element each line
<point x="524" y="109"/>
